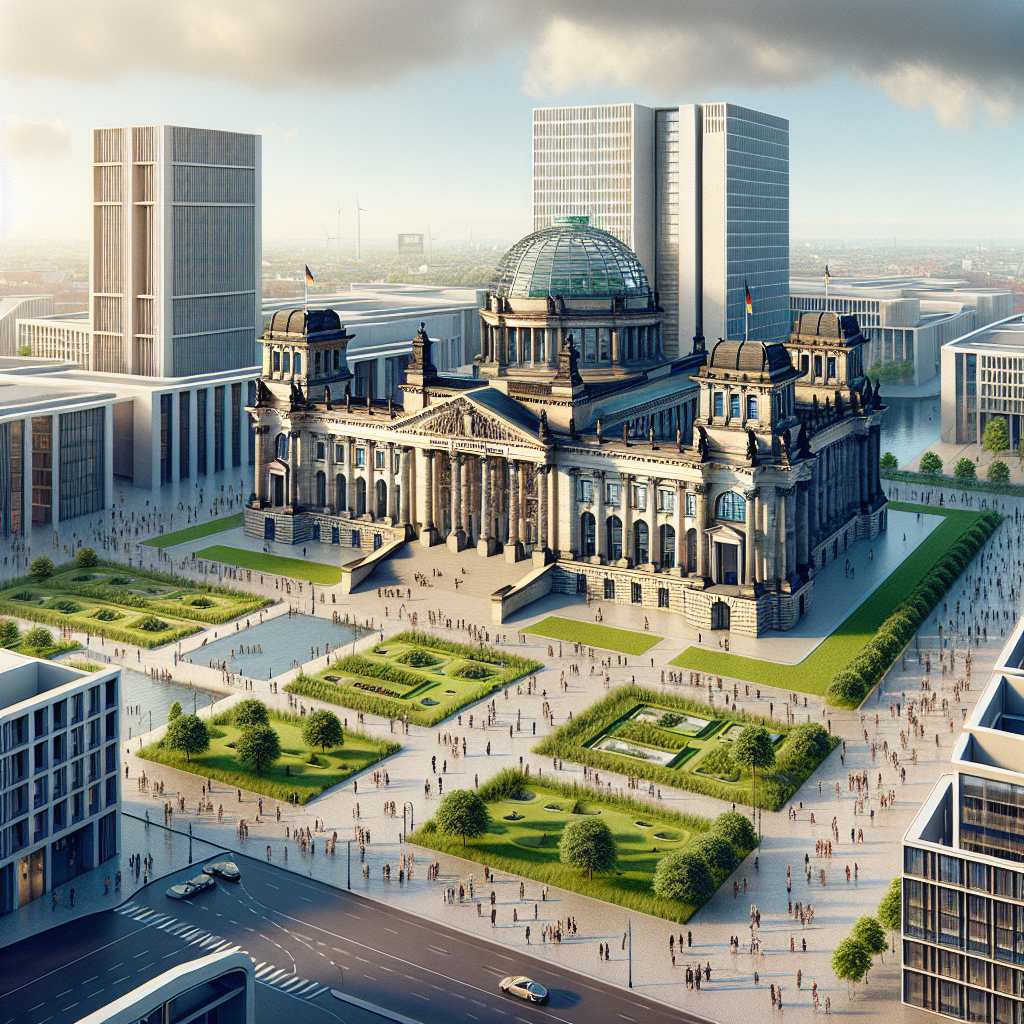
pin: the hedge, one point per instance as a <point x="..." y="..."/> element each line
<point x="853" y="683"/>
<point x="954" y="483"/>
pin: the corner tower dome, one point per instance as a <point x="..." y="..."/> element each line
<point x="573" y="260"/>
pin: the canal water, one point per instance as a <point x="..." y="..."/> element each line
<point x="909" y="426"/>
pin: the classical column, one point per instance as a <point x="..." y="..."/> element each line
<point x="553" y="536"/>
<point x="768" y="498"/>
<point x="513" y="549"/>
<point x="702" y="491"/>
<point x="392" y="505"/>
<point x="524" y="469"/>
<point x="542" y="513"/>
<point x="680" y="527"/>
<point x="602" y="533"/>
<point x="751" y="574"/>
<point x="294" y="438"/>
<point x="615" y="346"/>
<point x="371" y="479"/>
<point x="803" y="529"/>
<point x="485" y="545"/>
<point x="260" y="486"/>
<point x="406" y="478"/>
<point x="456" y="536"/>
<point x="626" y="504"/>
<point x="813" y="507"/>
<point x="782" y="517"/>
<point x="428" y="532"/>
<point x="653" y="535"/>
<point x="573" y="486"/>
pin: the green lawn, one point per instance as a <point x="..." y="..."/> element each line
<point x="593" y="634"/>
<point x="815" y="672"/>
<point x="357" y="753"/>
<point x="169" y="540"/>
<point x="277" y="565"/>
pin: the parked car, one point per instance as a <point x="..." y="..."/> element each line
<point x="226" y="869"/>
<point x="189" y="888"/>
<point x="524" y="988"/>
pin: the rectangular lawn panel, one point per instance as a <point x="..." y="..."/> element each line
<point x="357" y="753"/>
<point x="836" y="651"/>
<point x="169" y="540"/>
<point x="593" y="634"/>
<point x="275" y="565"/>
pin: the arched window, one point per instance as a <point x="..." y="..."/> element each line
<point x="340" y="494"/>
<point x="668" y="546"/>
<point x="640" y="543"/>
<point x="321" y="488"/>
<point x="732" y="506"/>
<point x="691" y="550"/>
<point x="360" y="496"/>
<point x="281" y="447"/>
<point x="588" y="534"/>
<point x="751" y="407"/>
<point x="382" y="499"/>
<point x="613" y="529"/>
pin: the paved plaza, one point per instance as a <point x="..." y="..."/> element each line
<point x="728" y="996"/>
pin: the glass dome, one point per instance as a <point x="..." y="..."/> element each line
<point x="571" y="259"/>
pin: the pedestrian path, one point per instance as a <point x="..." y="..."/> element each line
<point x="266" y="974"/>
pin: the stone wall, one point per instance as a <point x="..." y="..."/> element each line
<point x="298" y="529"/>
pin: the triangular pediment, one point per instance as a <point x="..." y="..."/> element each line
<point x="463" y="418"/>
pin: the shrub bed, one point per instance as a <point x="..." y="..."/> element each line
<point x="954" y="483"/>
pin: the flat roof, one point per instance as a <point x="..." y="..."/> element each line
<point x="1000" y="337"/>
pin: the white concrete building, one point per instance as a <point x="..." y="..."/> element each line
<point x="65" y="337"/>
<point x="175" y="282"/>
<point x="983" y="379"/>
<point x="700" y="192"/>
<point x="12" y="309"/>
<point x="60" y="794"/>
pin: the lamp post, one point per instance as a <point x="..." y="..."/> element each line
<point x="190" y="842"/>
<point x="630" y="930"/>
<point x="412" y="820"/>
<point x="350" y="863"/>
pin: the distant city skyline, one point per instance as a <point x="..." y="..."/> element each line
<point x="904" y="119"/>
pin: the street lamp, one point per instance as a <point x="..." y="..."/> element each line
<point x="350" y="863"/>
<point x="190" y="842"/>
<point x="630" y="930"/>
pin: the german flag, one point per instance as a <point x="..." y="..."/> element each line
<point x="309" y="276"/>
<point x="750" y="301"/>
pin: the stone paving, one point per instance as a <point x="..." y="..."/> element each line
<point x="727" y="997"/>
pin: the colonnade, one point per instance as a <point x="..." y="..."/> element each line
<point x="507" y="345"/>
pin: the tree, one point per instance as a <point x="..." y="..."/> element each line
<point x="39" y="639"/>
<point x="930" y="464"/>
<point x="189" y="734"/>
<point x="323" y="729"/>
<point x="888" y="461"/>
<point x="587" y="844"/>
<point x="41" y="568"/>
<point x="462" y="813"/>
<point x="683" y="876"/>
<point x="754" y="750"/>
<point x="250" y="712"/>
<point x="10" y="635"/>
<point x="999" y="472"/>
<point x="259" y="747"/>
<point x="174" y="712"/>
<point x="738" y="829"/>
<point x="871" y="933"/>
<point x="850" y="962"/>
<point x="86" y="559"/>
<point x="964" y="469"/>
<point x="996" y="436"/>
<point x="890" y="908"/>
<point x="717" y="852"/>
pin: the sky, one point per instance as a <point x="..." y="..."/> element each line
<point x="905" y="117"/>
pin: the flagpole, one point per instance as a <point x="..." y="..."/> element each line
<point x="305" y="291"/>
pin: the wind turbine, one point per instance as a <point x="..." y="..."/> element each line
<point x="430" y="247"/>
<point x="359" y="210"/>
<point x="334" y="238"/>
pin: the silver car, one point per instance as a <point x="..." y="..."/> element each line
<point x="226" y="869"/>
<point x="524" y="988"/>
<point x="190" y="887"/>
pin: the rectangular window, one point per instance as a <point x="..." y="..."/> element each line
<point x="950" y="995"/>
<point x="201" y="432"/>
<point x="666" y="500"/>
<point x="914" y="915"/>
<point x="184" y="448"/>
<point x="321" y="451"/>
<point x="640" y="497"/>
<point x="82" y="462"/>
<point x="236" y="424"/>
<point x="60" y="815"/>
<point x="166" y="439"/>
<point x="586" y="491"/>
<point x="662" y="597"/>
<point x="1003" y="933"/>
<point x="950" y="869"/>
<point x="950" y="913"/>
<point x="360" y="456"/>
<point x="977" y="876"/>
<point x="977" y="972"/>
<point x="977" y="1005"/>
<point x="977" y="924"/>
<point x="951" y="964"/>
<point x="691" y="503"/>
<point x="831" y="366"/>
<point x="339" y="454"/>
<point x="611" y="494"/>
<point x="609" y="590"/>
<point x="637" y="593"/>
<point x="218" y="428"/>
<point x="719" y="405"/>
<point x="380" y="458"/>
<point x="914" y="954"/>
<point x="734" y="406"/>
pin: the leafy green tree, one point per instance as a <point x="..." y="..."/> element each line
<point x="462" y="813"/>
<point x="851" y="961"/>
<point x="890" y="909"/>
<point x="964" y="469"/>
<point x="871" y="933"/>
<point x="683" y="876"/>
<point x="888" y="461"/>
<point x="188" y="733"/>
<point x="250" y="712"/>
<point x="86" y="559"/>
<point x="10" y="635"/>
<point x="39" y="639"/>
<point x="717" y="852"/>
<point x="41" y="568"/>
<point x="587" y="844"/>
<point x="996" y="436"/>
<point x="174" y="712"/>
<point x="323" y="729"/>
<point x="259" y="747"/>
<point x="930" y="464"/>
<point x="738" y="829"/>
<point x="753" y="749"/>
<point x="999" y="472"/>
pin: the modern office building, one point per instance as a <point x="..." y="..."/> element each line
<point x="712" y="485"/>
<point x="215" y="989"/>
<point x="906" y="319"/>
<point x="175" y="270"/>
<point x="983" y="379"/>
<point x="12" y="309"/>
<point x="700" y="192"/>
<point x="60" y="791"/>
<point x="382" y="320"/>
<point x="963" y="865"/>
<point x="67" y="337"/>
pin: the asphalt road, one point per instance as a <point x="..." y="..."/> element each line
<point x="305" y="939"/>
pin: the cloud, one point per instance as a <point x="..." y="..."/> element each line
<point x="955" y="58"/>
<point x="24" y="138"/>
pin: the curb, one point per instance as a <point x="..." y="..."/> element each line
<point x="373" y="1008"/>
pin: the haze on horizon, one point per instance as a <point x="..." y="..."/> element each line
<point x="905" y="119"/>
